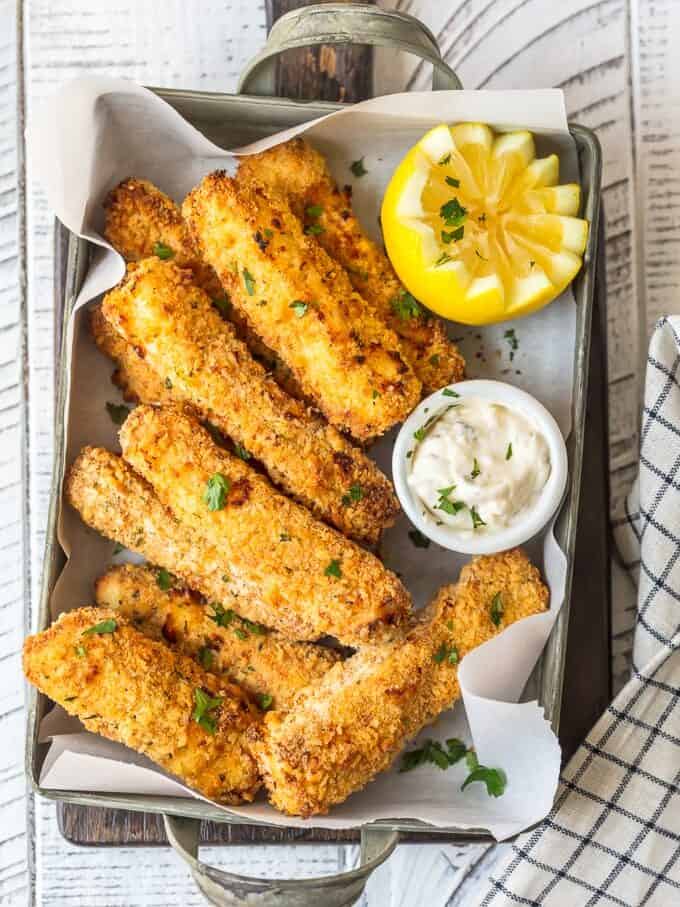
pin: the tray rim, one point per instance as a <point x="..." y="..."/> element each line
<point x="551" y="664"/>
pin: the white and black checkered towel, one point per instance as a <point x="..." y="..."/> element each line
<point x="613" y="836"/>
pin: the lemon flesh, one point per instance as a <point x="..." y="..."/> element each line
<point x="477" y="228"/>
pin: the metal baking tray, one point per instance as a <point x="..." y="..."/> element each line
<point x="232" y="120"/>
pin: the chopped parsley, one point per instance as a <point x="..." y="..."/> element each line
<point x="443" y="259"/>
<point x="453" y="236"/>
<point x="105" y="626"/>
<point x="406" y="306"/>
<point x="216" y="491"/>
<point x="241" y="452"/>
<point x="240" y="633"/>
<point x="508" y="452"/>
<point x="223" y="303"/>
<point x="168" y="384"/>
<point x="357" y="168"/>
<point x="445" y="159"/>
<point x="205" y="656"/>
<point x="80" y="651"/>
<point x="494" y="778"/>
<point x="497" y="610"/>
<point x="164" y="580"/>
<point x="434" y="359"/>
<point x="118" y="412"/>
<point x="511" y="337"/>
<point x="450" y="507"/>
<point x="204" y="705"/>
<point x="299" y="307"/>
<point x="446" y="653"/>
<point x="117" y="548"/>
<point x="355" y="493"/>
<point x="255" y="629"/>
<point x="314" y="230"/>
<point x="452" y="181"/>
<point x="249" y="282"/>
<point x="375" y="394"/>
<point x="162" y="251"/>
<point x="434" y="753"/>
<point x="333" y="569"/>
<point x="447" y="392"/>
<point x="418" y="539"/>
<point x="284" y="537"/>
<point x="477" y="521"/>
<point x="314" y="211"/>
<point x="476" y="471"/>
<point x="265" y="701"/>
<point x="453" y="213"/>
<point x="222" y="616"/>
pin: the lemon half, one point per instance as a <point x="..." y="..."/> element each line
<point x="476" y="226"/>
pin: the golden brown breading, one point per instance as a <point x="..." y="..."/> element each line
<point x="302" y="175"/>
<point x="262" y="662"/>
<point x="169" y="322"/>
<point x="303" y="305"/>
<point x="139" y="218"/>
<point x="339" y="733"/>
<point x="139" y="692"/>
<point x="288" y="570"/>
<point x="138" y="382"/>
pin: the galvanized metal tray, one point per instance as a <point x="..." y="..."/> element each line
<point x="231" y="120"/>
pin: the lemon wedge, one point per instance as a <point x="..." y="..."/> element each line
<point x="477" y="227"/>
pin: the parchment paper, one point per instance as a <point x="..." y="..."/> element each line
<point x="95" y="132"/>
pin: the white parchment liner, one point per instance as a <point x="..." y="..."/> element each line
<point x="95" y="132"/>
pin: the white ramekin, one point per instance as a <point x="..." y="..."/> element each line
<point x="528" y="525"/>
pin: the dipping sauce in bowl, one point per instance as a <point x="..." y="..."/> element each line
<point x="480" y="466"/>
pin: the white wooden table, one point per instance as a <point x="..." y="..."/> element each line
<point x="615" y="61"/>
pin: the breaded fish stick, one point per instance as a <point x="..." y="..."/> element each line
<point x="170" y="324"/>
<point x="142" y="221"/>
<point x="303" y="305"/>
<point x="139" y="692"/>
<point x="339" y="733"/>
<point x="288" y="571"/>
<point x="262" y="662"/>
<point x="302" y="175"/>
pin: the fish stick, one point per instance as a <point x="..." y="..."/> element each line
<point x="261" y="662"/>
<point x="289" y="571"/>
<point x="168" y="322"/>
<point x="139" y="692"/>
<point x="339" y="733"/>
<point x="142" y="221"/>
<point x="302" y="175"/>
<point x="303" y="305"/>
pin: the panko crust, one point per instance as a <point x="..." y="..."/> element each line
<point x="279" y="556"/>
<point x="338" y="735"/>
<point x="138" y="218"/>
<point x="170" y="325"/>
<point x="261" y="661"/>
<point x="137" y="691"/>
<point x="302" y="175"/>
<point x="303" y="305"/>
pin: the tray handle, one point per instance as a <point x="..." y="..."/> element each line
<point x="226" y="889"/>
<point x="344" y="23"/>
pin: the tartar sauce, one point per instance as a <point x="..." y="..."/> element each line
<point x="478" y="466"/>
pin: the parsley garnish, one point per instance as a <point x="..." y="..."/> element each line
<point x="240" y="633"/>
<point x="163" y="251"/>
<point x="447" y="392"/>
<point x="241" y="452"/>
<point x="222" y="617"/>
<point x="477" y="521"/>
<point x="284" y="537"/>
<point x="118" y="412"/>
<point x="494" y="778"/>
<point x="216" y="491"/>
<point x="223" y="303"/>
<point x="444" y="159"/>
<point x="255" y="629"/>
<point x="452" y="181"/>
<point x="405" y="306"/>
<point x="105" y="626"/>
<point x="418" y="539"/>
<point x="453" y="213"/>
<point x="204" y="704"/>
<point x="265" y="701"/>
<point x="314" y="230"/>
<point x="333" y="569"/>
<point x="80" y="651"/>
<point x="357" y="168"/>
<point x="168" y="383"/>
<point x="375" y="394"/>
<point x="164" y="579"/>
<point x="434" y="753"/>
<point x="117" y="548"/>
<point x="355" y="493"/>
<point x="314" y="211"/>
<point x="446" y="653"/>
<point x="299" y="307"/>
<point x="475" y="469"/>
<point x="205" y="656"/>
<point x="450" y="507"/>
<point x="443" y="259"/>
<point x="497" y="610"/>
<point x="508" y="452"/>
<point x="434" y="359"/>
<point x="249" y="282"/>
<point x="454" y="235"/>
<point x="511" y="337"/>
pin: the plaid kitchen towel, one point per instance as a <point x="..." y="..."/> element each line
<point x="613" y="836"/>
